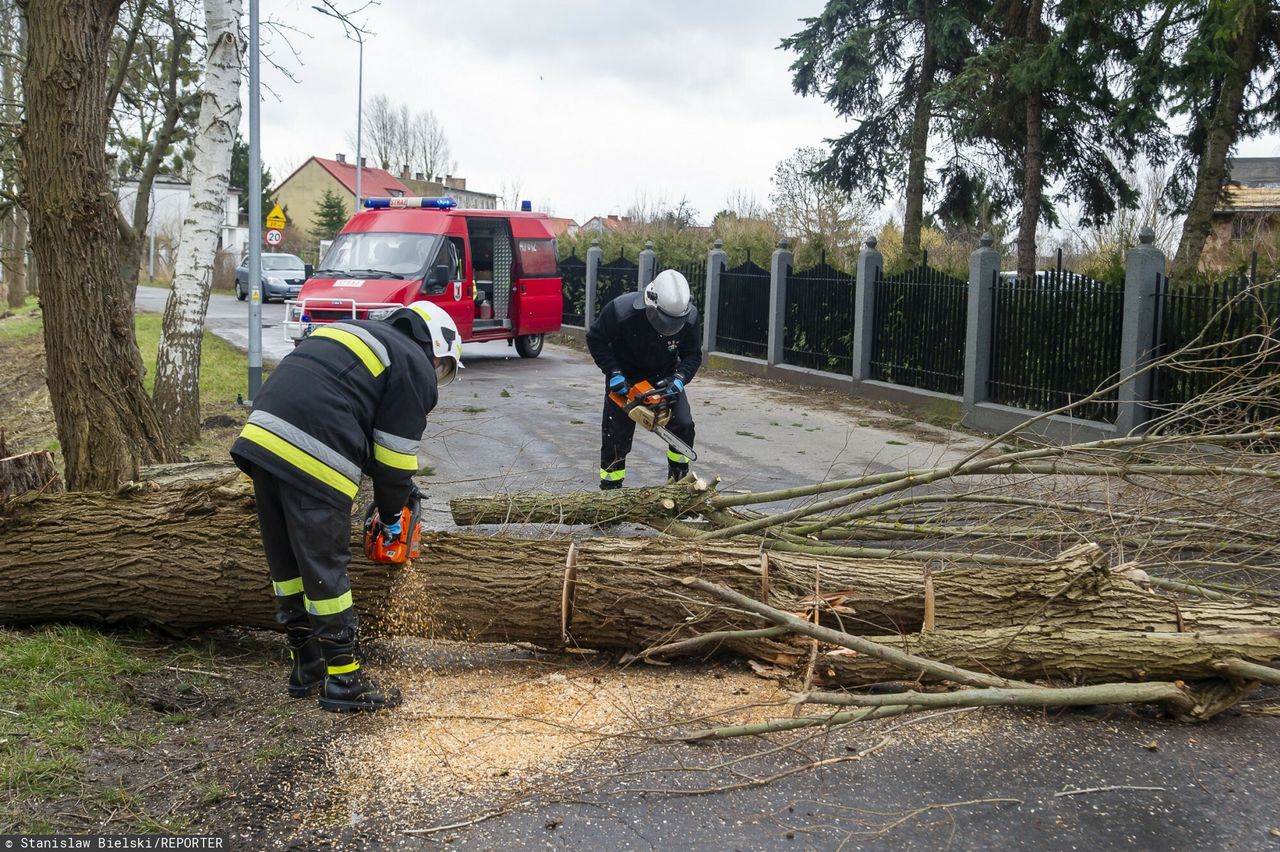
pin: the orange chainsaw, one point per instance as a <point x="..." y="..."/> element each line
<point x="398" y="550"/>
<point x="650" y="407"/>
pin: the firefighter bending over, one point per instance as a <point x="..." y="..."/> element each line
<point x="651" y="336"/>
<point x="352" y="398"/>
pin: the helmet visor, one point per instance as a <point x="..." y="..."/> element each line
<point x="665" y="324"/>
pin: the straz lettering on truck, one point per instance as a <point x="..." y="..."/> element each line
<point x="495" y="272"/>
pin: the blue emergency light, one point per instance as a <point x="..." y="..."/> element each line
<point x="410" y="201"/>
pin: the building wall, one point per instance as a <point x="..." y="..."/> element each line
<point x="465" y="197"/>
<point x="302" y="192"/>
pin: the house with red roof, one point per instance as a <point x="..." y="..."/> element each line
<point x="300" y="193"/>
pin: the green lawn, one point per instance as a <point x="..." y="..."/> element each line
<point x="223" y="368"/>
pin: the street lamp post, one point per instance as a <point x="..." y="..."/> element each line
<point x="255" y="210"/>
<point x="354" y="33"/>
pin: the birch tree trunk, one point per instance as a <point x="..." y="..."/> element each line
<point x="106" y="423"/>
<point x="15" y="244"/>
<point x="177" y="392"/>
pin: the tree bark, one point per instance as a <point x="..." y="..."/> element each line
<point x="1032" y="158"/>
<point x="106" y="424"/>
<point x="1072" y="655"/>
<point x="28" y="472"/>
<point x="1220" y="138"/>
<point x="182" y="552"/>
<point x="15" y="238"/>
<point x="177" y="392"/>
<point x="656" y="507"/>
<point x="918" y="155"/>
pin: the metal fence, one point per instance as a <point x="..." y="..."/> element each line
<point x="1228" y="334"/>
<point x="742" y="322"/>
<point x="818" y="329"/>
<point x="696" y="275"/>
<point x="616" y="277"/>
<point x="917" y="334"/>
<point x="1055" y="340"/>
<point x="573" y="276"/>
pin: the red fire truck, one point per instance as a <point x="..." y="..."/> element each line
<point x="494" y="271"/>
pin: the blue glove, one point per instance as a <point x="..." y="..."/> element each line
<point x="391" y="532"/>
<point x="678" y="384"/>
<point x="618" y="384"/>
<point x="672" y="386"/>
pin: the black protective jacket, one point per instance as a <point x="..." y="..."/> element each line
<point x="621" y="339"/>
<point x="352" y="398"/>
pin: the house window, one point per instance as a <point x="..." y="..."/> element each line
<point x="395" y="193"/>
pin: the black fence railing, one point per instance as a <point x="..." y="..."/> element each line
<point x="918" y="331"/>
<point x="1055" y="340"/>
<point x="742" y="321"/>
<point x="696" y="275"/>
<point x="818" y="330"/>
<point x="614" y="278"/>
<point x="1223" y="338"/>
<point x="573" y="276"/>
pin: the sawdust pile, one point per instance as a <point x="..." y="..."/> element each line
<point x="503" y="726"/>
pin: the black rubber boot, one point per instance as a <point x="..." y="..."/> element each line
<point x="610" y="484"/>
<point x="346" y="689"/>
<point x="676" y="471"/>
<point x="306" y="670"/>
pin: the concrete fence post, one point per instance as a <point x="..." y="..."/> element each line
<point x="779" y="271"/>
<point x="984" y="266"/>
<point x="1143" y="267"/>
<point x="648" y="266"/>
<point x="594" y="255"/>
<point x="870" y="262"/>
<point x="717" y="261"/>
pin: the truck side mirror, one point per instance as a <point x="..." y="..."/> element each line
<point x="307" y="270"/>
<point x="437" y="279"/>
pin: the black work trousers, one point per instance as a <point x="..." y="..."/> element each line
<point x="617" y="430"/>
<point x="308" y="545"/>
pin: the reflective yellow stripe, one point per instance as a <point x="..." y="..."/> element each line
<point x="344" y="669"/>
<point x="612" y="475"/>
<point x="678" y="458"/>
<point x="389" y="457"/>
<point x="302" y="461"/>
<point x="288" y="587"/>
<point x="355" y="344"/>
<point x="329" y="606"/>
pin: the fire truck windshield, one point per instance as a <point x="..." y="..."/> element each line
<point x="379" y="255"/>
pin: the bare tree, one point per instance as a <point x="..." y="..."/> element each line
<point x="430" y="147"/>
<point x="401" y="138"/>
<point x="509" y="193"/>
<point x="381" y="129"/>
<point x="817" y="211"/>
<point x="177" y="393"/>
<point x="14" y="251"/>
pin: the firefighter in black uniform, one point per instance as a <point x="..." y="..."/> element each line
<point x="650" y="336"/>
<point x="352" y="398"/>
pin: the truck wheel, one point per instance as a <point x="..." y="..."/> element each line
<point x="529" y="345"/>
<point x="240" y="294"/>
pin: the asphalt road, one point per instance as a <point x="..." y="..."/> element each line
<point x="512" y="423"/>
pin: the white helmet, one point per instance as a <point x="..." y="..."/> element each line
<point x="440" y="334"/>
<point x="667" y="303"/>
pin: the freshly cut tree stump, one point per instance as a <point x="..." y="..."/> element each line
<point x="28" y="472"/>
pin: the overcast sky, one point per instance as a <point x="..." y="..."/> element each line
<point x="589" y="106"/>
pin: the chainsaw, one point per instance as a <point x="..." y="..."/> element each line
<point x="650" y="407"/>
<point x="398" y="550"/>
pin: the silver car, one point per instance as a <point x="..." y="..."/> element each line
<point x="282" y="276"/>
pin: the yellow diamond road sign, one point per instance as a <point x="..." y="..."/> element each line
<point x="275" y="219"/>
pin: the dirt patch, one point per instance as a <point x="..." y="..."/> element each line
<point x="26" y="415"/>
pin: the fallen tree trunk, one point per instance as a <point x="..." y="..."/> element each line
<point x="656" y="507"/>
<point x="182" y="552"/>
<point x="1078" y="656"/>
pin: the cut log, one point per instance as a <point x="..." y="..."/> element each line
<point x="28" y="472"/>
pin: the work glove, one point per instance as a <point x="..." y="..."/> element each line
<point x="390" y="531"/>
<point x="617" y="384"/>
<point x="672" y="386"/>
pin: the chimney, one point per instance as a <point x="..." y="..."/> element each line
<point x="613" y="218"/>
<point x="404" y="171"/>
<point x="342" y="158"/>
<point x="418" y="176"/>
<point x="362" y="161"/>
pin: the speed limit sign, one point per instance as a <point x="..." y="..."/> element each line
<point x="274" y="237"/>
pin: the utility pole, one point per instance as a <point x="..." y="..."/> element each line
<point x="255" y="210"/>
<point x="354" y="32"/>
